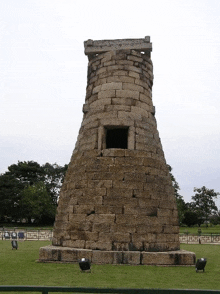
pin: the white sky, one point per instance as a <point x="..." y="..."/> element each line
<point x="43" y="73"/>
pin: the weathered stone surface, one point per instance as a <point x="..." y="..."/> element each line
<point x="111" y="86"/>
<point x="180" y="257"/>
<point x="96" y="47"/>
<point x="109" y="257"/>
<point x="117" y="198"/>
<point x="127" y="94"/>
<point x="73" y="255"/>
<point x="120" y="78"/>
<point x="106" y="94"/>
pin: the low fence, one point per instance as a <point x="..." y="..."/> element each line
<point x="200" y="238"/>
<point x="30" y="235"/>
<point x="47" y="235"/>
<point x="46" y="290"/>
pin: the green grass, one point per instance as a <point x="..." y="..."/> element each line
<point x="24" y="226"/>
<point x="204" y="229"/>
<point x="19" y="267"/>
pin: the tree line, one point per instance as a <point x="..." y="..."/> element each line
<point x="29" y="191"/>
<point x="202" y="208"/>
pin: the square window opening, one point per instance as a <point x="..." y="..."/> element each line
<point x="117" y="138"/>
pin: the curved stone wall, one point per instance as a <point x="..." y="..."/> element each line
<point x="117" y="194"/>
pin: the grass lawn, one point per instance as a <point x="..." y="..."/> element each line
<point x="19" y="267"/>
<point x="24" y="226"/>
<point x="204" y="229"/>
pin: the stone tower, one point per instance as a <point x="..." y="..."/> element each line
<point x="117" y="202"/>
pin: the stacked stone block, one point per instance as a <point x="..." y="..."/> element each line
<point x="118" y="199"/>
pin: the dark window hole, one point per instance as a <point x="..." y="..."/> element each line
<point x="117" y="138"/>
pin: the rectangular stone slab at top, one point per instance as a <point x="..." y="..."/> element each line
<point x="96" y="47"/>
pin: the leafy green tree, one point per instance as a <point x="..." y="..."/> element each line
<point x="36" y="204"/>
<point x="26" y="172"/>
<point x="53" y="179"/>
<point x="10" y="188"/>
<point x="16" y="184"/>
<point x="215" y="218"/>
<point x="179" y="199"/>
<point x="190" y="218"/>
<point x="203" y="203"/>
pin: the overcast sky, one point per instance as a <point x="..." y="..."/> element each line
<point x="43" y="73"/>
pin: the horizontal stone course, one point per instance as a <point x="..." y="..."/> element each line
<point x="107" y="94"/>
<point x="127" y="94"/>
<point x="111" y="86"/>
<point x="169" y="258"/>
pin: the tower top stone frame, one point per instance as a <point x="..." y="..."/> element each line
<point x="102" y="46"/>
<point x="117" y="203"/>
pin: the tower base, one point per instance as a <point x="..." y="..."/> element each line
<point x="73" y="255"/>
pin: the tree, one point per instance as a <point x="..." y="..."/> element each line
<point x="215" y="218"/>
<point x="179" y="199"/>
<point x="190" y="218"/>
<point x="24" y="180"/>
<point x="26" y="172"/>
<point x="36" y="204"/>
<point x="53" y="179"/>
<point x="203" y="203"/>
<point x="10" y="188"/>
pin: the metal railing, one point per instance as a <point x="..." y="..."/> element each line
<point x="48" y="289"/>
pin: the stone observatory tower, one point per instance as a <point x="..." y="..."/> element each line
<point x="117" y="202"/>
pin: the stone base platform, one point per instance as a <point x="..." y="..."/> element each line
<point x="65" y="254"/>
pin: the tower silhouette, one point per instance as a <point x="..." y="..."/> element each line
<point x="117" y="202"/>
